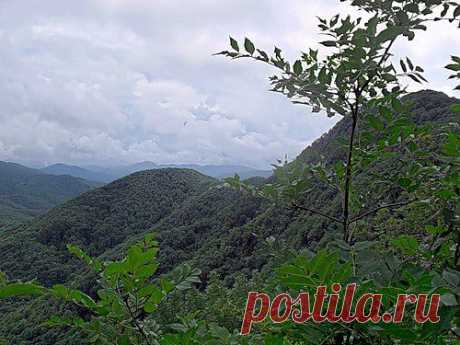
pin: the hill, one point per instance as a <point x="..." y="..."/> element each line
<point x="428" y="106"/>
<point x="97" y="221"/>
<point x="25" y="192"/>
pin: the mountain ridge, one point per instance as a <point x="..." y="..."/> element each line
<point x="109" y="174"/>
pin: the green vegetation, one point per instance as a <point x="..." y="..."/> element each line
<point x="25" y="192"/>
<point x="375" y="201"/>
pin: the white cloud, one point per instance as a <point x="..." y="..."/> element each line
<point x="113" y="81"/>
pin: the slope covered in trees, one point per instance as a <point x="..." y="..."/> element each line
<point x="97" y="221"/>
<point x="26" y="192"/>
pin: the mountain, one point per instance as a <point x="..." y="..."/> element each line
<point x="112" y="173"/>
<point x="97" y="221"/>
<point x="72" y="170"/>
<point x="186" y="209"/>
<point x="195" y="219"/>
<point x="109" y="174"/>
<point x="26" y="192"/>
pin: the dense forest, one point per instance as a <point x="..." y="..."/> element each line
<point x="25" y="192"/>
<point x="169" y="256"/>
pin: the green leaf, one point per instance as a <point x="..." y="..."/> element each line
<point x="452" y="147"/>
<point x="156" y="295"/>
<point x="453" y="67"/>
<point x="114" y="268"/>
<point x="457" y="11"/>
<point x="407" y="244"/>
<point x="95" y="264"/>
<point x="298" y="69"/>
<point x="234" y="44"/>
<point x="414" y="78"/>
<point x="147" y="271"/>
<point x="410" y="64"/>
<point x="403" y="66"/>
<point x="134" y="258"/>
<point x="389" y="34"/>
<point x="455" y="108"/>
<point x="155" y="298"/>
<point x="449" y="300"/>
<point x="21" y="289"/>
<point x="329" y="43"/>
<point x="397" y="105"/>
<point x="166" y="285"/>
<point x="249" y="46"/>
<point x="84" y="299"/>
<point x="263" y="55"/>
<point x="405" y="182"/>
<point x="375" y="122"/>
<point x="76" y="296"/>
<point x="452" y="277"/>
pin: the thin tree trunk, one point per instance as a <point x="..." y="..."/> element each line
<point x="348" y="178"/>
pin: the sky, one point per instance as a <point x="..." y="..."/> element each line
<point x="112" y="82"/>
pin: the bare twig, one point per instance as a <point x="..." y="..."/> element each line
<point x="307" y="209"/>
<point x="397" y="204"/>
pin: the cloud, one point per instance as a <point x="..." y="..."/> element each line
<point x="118" y="81"/>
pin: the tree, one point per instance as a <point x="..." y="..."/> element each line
<point x="401" y="166"/>
<point x="358" y="80"/>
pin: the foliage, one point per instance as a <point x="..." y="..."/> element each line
<point x="455" y="67"/>
<point x="407" y="164"/>
<point x="357" y="80"/>
<point x="125" y="301"/>
<point x="306" y="273"/>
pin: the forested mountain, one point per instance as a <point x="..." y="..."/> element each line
<point x="109" y="174"/>
<point x="26" y="192"/>
<point x="428" y="106"/>
<point x="196" y="220"/>
<point x="97" y="221"/>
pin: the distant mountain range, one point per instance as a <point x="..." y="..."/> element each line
<point x="26" y="192"/>
<point x="109" y="174"/>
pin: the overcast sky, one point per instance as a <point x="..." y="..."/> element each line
<point x="121" y="81"/>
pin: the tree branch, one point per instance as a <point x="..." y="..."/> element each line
<point x="135" y="322"/>
<point x="397" y="204"/>
<point x="307" y="209"/>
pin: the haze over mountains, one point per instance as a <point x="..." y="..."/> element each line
<point x="109" y="174"/>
